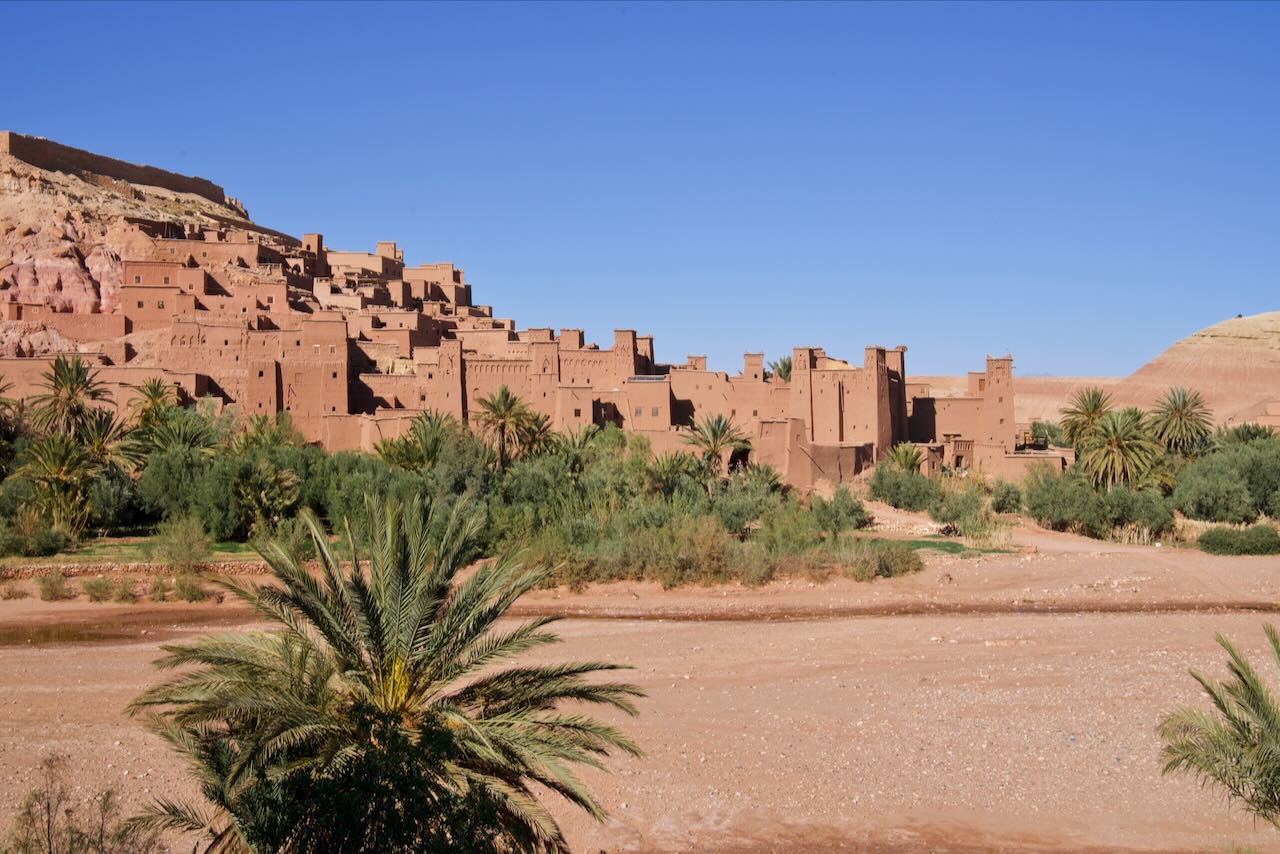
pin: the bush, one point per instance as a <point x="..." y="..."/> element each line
<point x="1063" y="502"/>
<point x="1006" y="497"/>
<point x="787" y="530"/>
<point x="841" y="513"/>
<point x="181" y="543"/>
<point x="861" y="560"/>
<point x="957" y="510"/>
<point x="1256" y="540"/>
<point x="188" y="588"/>
<point x="1214" y="494"/>
<point x="115" y="501"/>
<point x="292" y="536"/>
<point x="741" y="500"/>
<point x="53" y="587"/>
<point x="12" y="591"/>
<point x="902" y="489"/>
<point x="1144" y="512"/>
<point x="98" y="589"/>
<point x="158" y="590"/>
<point x="124" y="593"/>
<point x="29" y="535"/>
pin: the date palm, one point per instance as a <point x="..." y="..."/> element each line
<point x="422" y="446"/>
<point x="393" y="652"/>
<point x="71" y="390"/>
<point x="534" y="434"/>
<point x="906" y="456"/>
<point x="109" y="442"/>
<point x="60" y="472"/>
<point x="667" y="471"/>
<point x="781" y="369"/>
<point x="500" y="416"/>
<point x="1237" y="746"/>
<point x="714" y="436"/>
<point x="1085" y="411"/>
<point x="1181" y="421"/>
<point x="1119" y="449"/>
<point x="185" y="429"/>
<point x="154" y="399"/>
<point x="265" y="431"/>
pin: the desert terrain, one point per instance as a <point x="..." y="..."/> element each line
<point x="1003" y="702"/>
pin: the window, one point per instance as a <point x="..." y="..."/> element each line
<point x="166" y="280"/>
<point x="332" y="349"/>
<point x="654" y="412"/>
<point x="639" y="410"/>
<point x="137" y="280"/>
<point x="754" y="413"/>
<point x="159" y="303"/>
<point x="335" y="375"/>
<point x="260" y="373"/>
<point x="577" y="413"/>
<point x="139" y="303"/>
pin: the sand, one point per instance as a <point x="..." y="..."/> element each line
<point x="1005" y="703"/>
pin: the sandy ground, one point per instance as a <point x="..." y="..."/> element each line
<point x="1001" y="703"/>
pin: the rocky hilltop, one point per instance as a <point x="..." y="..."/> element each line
<point x="65" y="218"/>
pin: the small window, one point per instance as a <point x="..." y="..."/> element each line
<point x="137" y="280"/>
<point x="577" y="413"/>
<point x="754" y="413"/>
<point x="139" y="303"/>
<point x="654" y="412"/>
<point x="160" y="303"/>
<point x="422" y="398"/>
<point x="261" y="374"/>
<point x="332" y="349"/>
<point x="270" y="300"/>
<point x="430" y="375"/>
<point x="639" y="410"/>
<point x="335" y="375"/>
<point x="166" y="280"/>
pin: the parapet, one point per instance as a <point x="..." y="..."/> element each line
<point x="56" y="157"/>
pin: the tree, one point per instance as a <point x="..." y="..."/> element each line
<point x="841" y="512"/>
<point x="109" y="442"/>
<point x="71" y="390"/>
<point x="906" y="456"/>
<point x="60" y="472"/>
<point x="500" y="416"/>
<point x="1119" y="449"/>
<point x="534" y="434"/>
<point x="265" y="432"/>
<point x="781" y="369"/>
<point x="420" y="448"/>
<point x="715" y="435"/>
<point x="1087" y="408"/>
<point x="668" y="471"/>
<point x="1181" y="420"/>
<point x="183" y="429"/>
<point x="393" y="656"/>
<point x="155" y="398"/>
<point x="1237" y="747"/>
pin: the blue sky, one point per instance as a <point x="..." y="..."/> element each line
<point x="1078" y="184"/>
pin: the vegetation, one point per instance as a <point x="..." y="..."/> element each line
<point x="181" y="544"/>
<point x="902" y="488"/>
<point x="1006" y="497"/>
<point x="906" y="457"/>
<point x="381" y="685"/>
<point x="1255" y="540"/>
<point x="780" y="369"/>
<point x="1084" y="413"/>
<point x="52" y="821"/>
<point x="53" y="587"/>
<point x="713" y="437"/>
<point x="1181" y="421"/>
<point x="1237" y="746"/>
<point x="187" y="588"/>
<point x="98" y="589"/>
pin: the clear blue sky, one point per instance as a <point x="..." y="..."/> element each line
<point x="1078" y="184"/>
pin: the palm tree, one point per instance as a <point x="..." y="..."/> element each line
<point x="574" y="446"/>
<point x="781" y="369"/>
<point x="424" y="443"/>
<point x="72" y="389"/>
<point x="1119" y="449"/>
<point x="60" y="471"/>
<point x="1244" y="433"/>
<point x="109" y="442"/>
<point x="264" y="431"/>
<point x="1181" y="420"/>
<point x="534" y="434"/>
<point x="393" y="656"/>
<point x="1238" y="746"/>
<point x="183" y="428"/>
<point x="1086" y="410"/>
<point x="667" y="471"/>
<point x="715" y="435"/>
<point x="500" y="416"/>
<point x="154" y="400"/>
<point x="906" y="456"/>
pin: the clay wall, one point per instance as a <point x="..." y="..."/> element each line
<point x="47" y="154"/>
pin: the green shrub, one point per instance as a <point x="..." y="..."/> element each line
<point x="181" y="543"/>
<point x="1214" y="494"/>
<point x="1006" y="497"/>
<point x="1063" y="502"/>
<point x="292" y="536"/>
<point x="158" y="590"/>
<point x="53" y="587"/>
<point x="188" y="588"/>
<point x="28" y="534"/>
<point x="743" y="499"/>
<point x="13" y="591"/>
<point x="787" y="530"/>
<point x="902" y="489"/>
<point x="1256" y="540"/>
<point x="98" y="589"/>
<point x="1144" y="511"/>
<point x="957" y="509"/>
<point x="124" y="593"/>
<point x="862" y="560"/>
<point x="842" y="512"/>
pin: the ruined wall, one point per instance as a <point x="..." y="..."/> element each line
<point x="47" y="154"/>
